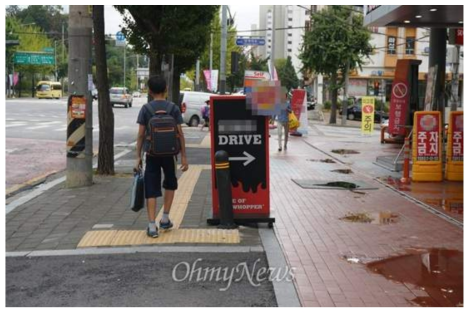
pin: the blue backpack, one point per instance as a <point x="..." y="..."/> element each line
<point x="162" y="133"/>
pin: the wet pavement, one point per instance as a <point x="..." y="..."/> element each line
<point x="437" y="272"/>
<point x="445" y="196"/>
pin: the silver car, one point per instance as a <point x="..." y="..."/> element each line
<point x="120" y="96"/>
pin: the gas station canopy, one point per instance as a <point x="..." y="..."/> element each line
<point x="431" y="16"/>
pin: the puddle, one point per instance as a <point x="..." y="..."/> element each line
<point x="327" y="161"/>
<point x="344" y="171"/>
<point x="344" y="151"/>
<point x="437" y="272"/>
<point x="378" y="218"/>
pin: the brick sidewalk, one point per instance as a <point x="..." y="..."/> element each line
<point x="316" y="241"/>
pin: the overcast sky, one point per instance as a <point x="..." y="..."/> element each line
<point x="245" y="16"/>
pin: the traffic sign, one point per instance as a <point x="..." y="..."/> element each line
<point x="33" y="58"/>
<point x="250" y="41"/>
<point x="120" y="39"/>
<point x="120" y="36"/>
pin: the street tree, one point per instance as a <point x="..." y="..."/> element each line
<point x="163" y="30"/>
<point x="331" y="43"/>
<point x="106" y="117"/>
<point x="257" y="63"/>
<point x="287" y="73"/>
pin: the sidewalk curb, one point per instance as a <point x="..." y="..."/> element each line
<point x="286" y="294"/>
<point x="139" y="249"/>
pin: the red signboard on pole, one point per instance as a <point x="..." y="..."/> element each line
<point x="399" y="107"/>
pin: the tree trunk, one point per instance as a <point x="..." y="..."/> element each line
<point x="154" y="65"/>
<point x="106" y="118"/>
<point x="334" y="94"/>
<point x="176" y="85"/>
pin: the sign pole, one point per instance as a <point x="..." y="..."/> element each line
<point x="79" y="157"/>
<point x="223" y="52"/>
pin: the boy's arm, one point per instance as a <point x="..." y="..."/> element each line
<point x="184" y="164"/>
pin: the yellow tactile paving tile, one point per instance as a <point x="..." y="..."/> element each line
<point x="138" y="237"/>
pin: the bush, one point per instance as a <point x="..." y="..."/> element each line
<point x="380" y="105"/>
<point x="328" y="105"/>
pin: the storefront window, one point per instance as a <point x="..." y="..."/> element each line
<point x="391" y="45"/>
<point x="410" y="45"/>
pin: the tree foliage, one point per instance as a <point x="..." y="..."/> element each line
<point x="331" y="43"/>
<point x="287" y="73"/>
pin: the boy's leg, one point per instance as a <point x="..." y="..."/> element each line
<point x="152" y="191"/>
<point x="151" y="207"/>
<point x="170" y="186"/>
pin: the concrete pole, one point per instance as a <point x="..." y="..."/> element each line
<point x="124" y="66"/>
<point x="347" y="81"/>
<point x="211" y="54"/>
<point x="55" y="60"/>
<point x="437" y="56"/>
<point x="79" y="170"/>
<point x="223" y="51"/>
<point x="197" y="76"/>
<point x="455" y="79"/>
<point x="273" y="41"/>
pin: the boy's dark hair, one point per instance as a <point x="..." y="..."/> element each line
<point x="157" y="84"/>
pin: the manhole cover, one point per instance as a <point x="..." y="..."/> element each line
<point x="337" y="185"/>
<point x="344" y="151"/>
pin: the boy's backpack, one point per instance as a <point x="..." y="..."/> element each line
<point x="162" y="136"/>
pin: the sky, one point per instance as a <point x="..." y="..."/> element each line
<point x="245" y="16"/>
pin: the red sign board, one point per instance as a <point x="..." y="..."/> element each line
<point x="78" y="107"/>
<point x="457" y="138"/>
<point x="428" y="136"/>
<point x="459" y="36"/>
<point x="399" y="107"/>
<point x="297" y="102"/>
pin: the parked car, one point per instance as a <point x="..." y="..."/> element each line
<point x="190" y="104"/>
<point x="136" y="94"/>
<point x="354" y="113"/>
<point x="120" y="96"/>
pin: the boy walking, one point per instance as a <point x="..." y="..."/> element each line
<point x="157" y="89"/>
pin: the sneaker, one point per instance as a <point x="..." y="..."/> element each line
<point x="165" y="226"/>
<point x="152" y="234"/>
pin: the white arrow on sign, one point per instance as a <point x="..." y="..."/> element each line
<point x="248" y="158"/>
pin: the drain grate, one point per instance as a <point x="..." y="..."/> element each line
<point x="334" y="185"/>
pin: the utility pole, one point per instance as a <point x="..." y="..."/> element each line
<point x="223" y="51"/>
<point x="55" y="59"/>
<point x="211" y="56"/>
<point x="273" y="41"/>
<point x="197" y="76"/>
<point x="347" y="82"/>
<point x="79" y="165"/>
<point x="137" y="76"/>
<point x="124" y="66"/>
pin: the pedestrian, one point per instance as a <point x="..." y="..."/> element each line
<point x="152" y="176"/>
<point x="283" y="123"/>
<point x="205" y="111"/>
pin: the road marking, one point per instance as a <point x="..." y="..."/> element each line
<point x="14" y="125"/>
<point x="61" y="129"/>
<point x="38" y="127"/>
<point x="122" y="128"/>
<point x="9" y="151"/>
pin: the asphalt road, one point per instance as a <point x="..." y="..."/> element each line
<point x="141" y="279"/>
<point x="36" y="135"/>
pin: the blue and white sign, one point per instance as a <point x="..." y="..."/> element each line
<point x="250" y="41"/>
<point x="120" y="39"/>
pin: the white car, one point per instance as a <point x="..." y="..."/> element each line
<point x="120" y="96"/>
<point x="191" y="104"/>
<point x="136" y="94"/>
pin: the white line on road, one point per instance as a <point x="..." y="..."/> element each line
<point x="61" y="129"/>
<point x="37" y="127"/>
<point x="14" y="125"/>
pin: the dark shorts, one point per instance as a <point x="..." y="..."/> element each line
<point x="153" y="175"/>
